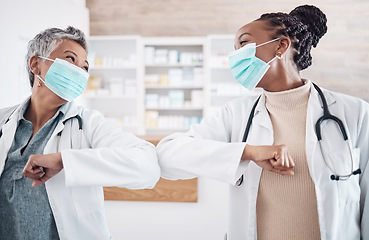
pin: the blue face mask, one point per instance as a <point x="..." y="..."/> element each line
<point x="65" y="79"/>
<point x="246" y="68"/>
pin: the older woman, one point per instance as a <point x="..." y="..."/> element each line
<point x="296" y="158"/>
<point x="74" y="151"/>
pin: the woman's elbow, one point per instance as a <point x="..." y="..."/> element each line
<point x="151" y="170"/>
<point x="153" y="176"/>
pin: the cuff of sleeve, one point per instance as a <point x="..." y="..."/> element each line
<point x="68" y="167"/>
<point x="238" y="166"/>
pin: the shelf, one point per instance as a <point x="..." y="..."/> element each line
<point x="176" y="61"/>
<point x="174" y="65"/>
<point x="179" y="63"/>
<point x="112" y="97"/>
<point x="222" y="86"/>
<point x="174" y="41"/>
<point x="114" y="68"/>
<point x="226" y="95"/>
<point x="173" y="87"/>
<point x="219" y="68"/>
<point x="167" y="129"/>
<point x="174" y="109"/>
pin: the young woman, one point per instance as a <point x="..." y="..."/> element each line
<point x="74" y="151"/>
<point x="292" y="173"/>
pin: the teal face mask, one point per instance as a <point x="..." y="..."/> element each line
<point x="246" y="68"/>
<point x="65" y="79"/>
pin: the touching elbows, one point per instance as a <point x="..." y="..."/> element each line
<point x="154" y="173"/>
<point x="150" y="171"/>
<point x="166" y="169"/>
<point x="172" y="166"/>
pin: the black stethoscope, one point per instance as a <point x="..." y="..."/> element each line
<point x="326" y="116"/>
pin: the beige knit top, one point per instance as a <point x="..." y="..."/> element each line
<point x="286" y="205"/>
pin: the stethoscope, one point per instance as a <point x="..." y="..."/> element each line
<point x="326" y="116"/>
<point x="80" y="125"/>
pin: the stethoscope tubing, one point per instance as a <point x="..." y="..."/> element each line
<point x="328" y="116"/>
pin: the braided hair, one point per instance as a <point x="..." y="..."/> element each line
<point x="304" y="26"/>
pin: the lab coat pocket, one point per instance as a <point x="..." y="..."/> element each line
<point x="340" y="162"/>
<point x="86" y="200"/>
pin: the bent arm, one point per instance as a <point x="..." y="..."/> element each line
<point x="205" y="150"/>
<point x="183" y="156"/>
<point x="115" y="158"/>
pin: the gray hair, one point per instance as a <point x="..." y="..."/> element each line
<point x="44" y="43"/>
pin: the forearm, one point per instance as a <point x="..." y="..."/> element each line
<point x="135" y="167"/>
<point x="182" y="156"/>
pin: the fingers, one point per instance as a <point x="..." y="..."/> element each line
<point x="282" y="162"/>
<point x="283" y="157"/>
<point x="288" y="172"/>
<point x="277" y="168"/>
<point x="40" y="181"/>
<point x="272" y="158"/>
<point x="292" y="162"/>
<point x="41" y="168"/>
<point x="31" y="170"/>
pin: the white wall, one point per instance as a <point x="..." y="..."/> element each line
<point x="20" y="21"/>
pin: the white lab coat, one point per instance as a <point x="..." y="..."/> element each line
<point x="213" y="149"/>
<point x="99" y="155"/>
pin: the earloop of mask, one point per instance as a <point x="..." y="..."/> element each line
<point x="40" y="79"/>
<point x="277" y="56"/>
<point x="273" y="59"/>
<point x="281" y="54"/>
<point x="267" y="42"/>
<point x="46" y="58"/>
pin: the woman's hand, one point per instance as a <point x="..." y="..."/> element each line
<point x="41" y="168"/>
<point x="272" y="158"/>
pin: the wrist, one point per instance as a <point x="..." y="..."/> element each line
<point x="247" y="153"/>
<point x="60" y="160"/>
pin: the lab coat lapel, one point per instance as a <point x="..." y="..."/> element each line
<point x="261" y="116"/>
<point x="6" y="140"/>
<point x="243" y="198"/>
<point x="8" y="132"/>
<point x="55" y="187"/>
<point x="261" y="133"/>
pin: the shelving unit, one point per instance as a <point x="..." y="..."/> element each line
<point x="115" y="82"/>
<point x="222" y="86"/>
<point x="159" y="85"/>
<point x="173" y="83"/>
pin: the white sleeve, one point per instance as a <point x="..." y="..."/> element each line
<point x="116" y="158"/>
<point x="363" y="144"/>
<point x="205" y="150"/>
